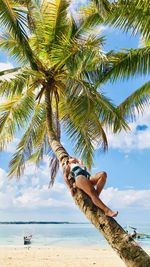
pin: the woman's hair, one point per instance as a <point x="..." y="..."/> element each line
<point x="65" y="169"/>
<point x="67" y="162"/>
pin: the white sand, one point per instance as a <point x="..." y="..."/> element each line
<point x="59" y="257"/>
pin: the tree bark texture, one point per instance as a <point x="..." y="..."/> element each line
<point x="127" y="249"/>
<point x="56" y="146"/>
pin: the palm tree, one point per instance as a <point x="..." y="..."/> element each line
<point x="60" y="68"/>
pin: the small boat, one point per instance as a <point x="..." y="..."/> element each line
<point x="27" y="240"/>
<point x="137" y="235"/>
<point x="142" y="236"/>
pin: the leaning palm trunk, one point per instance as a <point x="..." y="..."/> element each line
<point x="128" y="250"/>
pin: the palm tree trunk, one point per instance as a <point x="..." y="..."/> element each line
<point x="56" y="146"/>
<point x="127" y="249"/>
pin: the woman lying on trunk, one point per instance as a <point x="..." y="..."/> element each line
<point x="91" y="185"/>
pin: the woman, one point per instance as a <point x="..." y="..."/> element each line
<point x="91" y="185"/>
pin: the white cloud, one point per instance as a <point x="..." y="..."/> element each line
<point x="2" y="177"/>
<point x="12" y="146"/>
<point x="80" y="2"/>
<point x="126" y="198"/>
<point x="133" y="139"/>
<point x="31" y="191"/>
<point x="31" y="194"/>
<point x="5" y="66"/>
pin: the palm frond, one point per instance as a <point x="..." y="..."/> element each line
<point x="41" y="147"/>
<point x="136" y="102"/>
<point x="13" y="21"/>
<point x="32" y="139"/>
<point x="34" y="16"/>
<point x="14" y="114"/>
<point x="78" y="50"/>
<point x="19" y="82"/>
<point x="37" y="29"/>
<point x="88" y="21"/>
<point x="55" y="19"/>
<point x="102" y="141"/>
<point x="103" y="7"/>
<point x="54" y="167"/>
<point x="82" y="139"/>
<point x="85" y="112"/>
<point x="9" y="18"/>
<point x="9" y="71"/>
<point x="127" y="64"/>
<point x="131" y="15"/>
<point x="19" y="3"/>
<point x="109" y="115"/>
<point x="84" y="100"/>
<point x="9" y="43"/>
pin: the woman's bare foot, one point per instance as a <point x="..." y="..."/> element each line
<point x="111" y="213"/>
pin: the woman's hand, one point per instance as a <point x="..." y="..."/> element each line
<point x="66" y="175"/>
<point x="73" y="191"/>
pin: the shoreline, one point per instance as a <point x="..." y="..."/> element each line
<point x="66" y="246"/>
<point x="57" y="256"/>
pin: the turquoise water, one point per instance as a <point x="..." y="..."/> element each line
<point x="58" y="235"/>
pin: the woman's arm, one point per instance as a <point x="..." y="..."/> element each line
<point x="80" y="162"/>
<point x="66" y="175"/>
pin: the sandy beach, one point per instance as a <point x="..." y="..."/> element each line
<point x="59" y="257"/>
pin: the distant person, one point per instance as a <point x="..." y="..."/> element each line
<point x="134" y="234"/>
<point x="91" y="185"/>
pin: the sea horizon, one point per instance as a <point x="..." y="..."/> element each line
<point x="59" y="233"/>
<point x="42" y="222"/>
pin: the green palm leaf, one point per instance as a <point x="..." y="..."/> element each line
<point x="32" y="139"/>
<point x="9" y="43"/>
<point x="89" y="18"/>
<point x="54" y="167"/>
<point x="12" y="117"/>
<point x="131" y="15"/>
<point x="55" y="19"/>
<point x="78" y="50"/>
<point x="83" y="96"/>
<point x="12" y="20"/>
<point x="36" y="25"/>
<point x="127" y="64"/>
<point x="18" y="82"/>
<point x="103" y="7"/>
<point x="136" y="102"/>
<point x="5" y="72"/>
<point x="84" y="113"/>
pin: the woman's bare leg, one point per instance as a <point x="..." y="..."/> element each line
<point x="84" y="184"/>
<point x="99" y="180"/>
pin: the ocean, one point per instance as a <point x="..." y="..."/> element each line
<point x="59" y="235"/>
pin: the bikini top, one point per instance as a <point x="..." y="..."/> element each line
<point x="76" y="166"/>
<point x="78" y="169"/>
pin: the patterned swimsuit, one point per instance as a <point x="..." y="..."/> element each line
<point x="77" y="170"/>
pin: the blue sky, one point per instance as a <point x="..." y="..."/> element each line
<point x="126" y="162"/>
